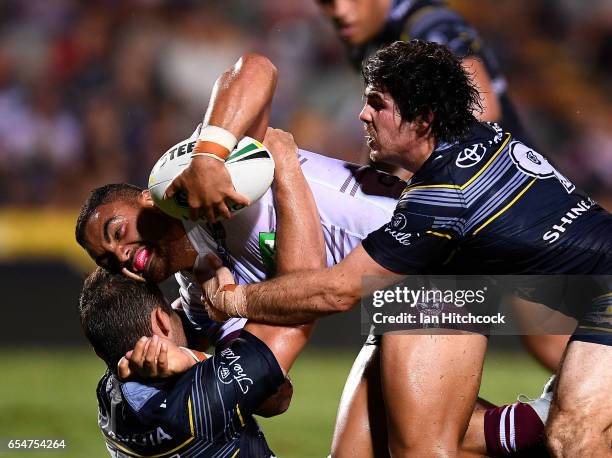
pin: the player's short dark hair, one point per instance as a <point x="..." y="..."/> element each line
<point x="115" y="311"/>
<point x="101" y="196"/>
<point x="424" y="78"/>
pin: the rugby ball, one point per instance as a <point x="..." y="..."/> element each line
<point x="250" y="166"/>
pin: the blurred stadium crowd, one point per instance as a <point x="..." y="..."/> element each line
<point x="94" y="92"/>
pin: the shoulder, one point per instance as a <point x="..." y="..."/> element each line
<point x="459" y="162"/>
<point x="138" y="395"/>
<point x="433" y="16"/>
<point x="448" y="178"/>
<point x="469" y="159"/>
<point x="436" y="22"/>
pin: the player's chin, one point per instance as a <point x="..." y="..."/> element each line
<point x="156" y="271"/>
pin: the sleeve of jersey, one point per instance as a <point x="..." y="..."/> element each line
<point x="217" y="333"/>
<point x="233" y="383"/>
<point x="449" y="28"/>
<point x="412" y="242"/>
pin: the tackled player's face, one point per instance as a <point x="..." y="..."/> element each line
<point x="137" y="237"/>
<point x="356" y="21"/>
<point x="388" y="136"/>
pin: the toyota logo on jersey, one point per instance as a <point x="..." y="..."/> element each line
<point x="470" y="156"/>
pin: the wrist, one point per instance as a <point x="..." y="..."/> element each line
<point x="194" y="356"/>
<point x="287" y="178"/>
<point x="215" y="141"/>
<point x="234" y="300"/>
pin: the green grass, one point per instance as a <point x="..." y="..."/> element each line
<point x="51" y="394"/>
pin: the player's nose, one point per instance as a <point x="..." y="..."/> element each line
<point x="122" y="253"/>
<point x="341" y="9"/>
<point x="365" y="115"/>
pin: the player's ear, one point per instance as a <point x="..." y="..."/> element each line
<point x="423" y="123"/>
<point x="145" y="198"/>
<point x="161" y="322"/>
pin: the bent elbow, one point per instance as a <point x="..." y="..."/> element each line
<point x="259" y="63"/>
<point x="278" y="403"/>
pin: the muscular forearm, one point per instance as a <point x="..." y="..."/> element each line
<point x="300" y="243"/>
<point x="298" y="232"/>
<point x="298" y="298"/>
<point x="241" y="97"/>
<point x="239" y="105"/>
<point x="302" y="296"/>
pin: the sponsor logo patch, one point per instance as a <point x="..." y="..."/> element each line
<point x="399" y="221"/>
<point x="401" y="237"/>
<point x="566" y="220"/>
<point x="534" y="164"/>
<point x="230" y="370"/>
<point x="470" y="156"/>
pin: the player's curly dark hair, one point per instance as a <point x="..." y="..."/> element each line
<point x="425" y="78"/>
<point x="101" y="196"/>
<point x="115" y="311"/>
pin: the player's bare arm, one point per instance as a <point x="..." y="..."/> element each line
<point x="300" y="246"/>
<point x="298" y="297"/>
<point x="296" y="211"/>
<point x="240" y="103"/>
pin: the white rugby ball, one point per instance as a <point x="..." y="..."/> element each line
<point x="250" y="166"/>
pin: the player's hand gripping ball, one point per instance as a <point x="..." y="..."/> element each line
<point x="250" y="166"/>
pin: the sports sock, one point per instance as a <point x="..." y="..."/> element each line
<point x="514" y="430"/>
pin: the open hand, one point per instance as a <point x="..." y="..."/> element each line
<point x="154" y="357"/>
<point x="209" y="189"/>
<point x="219" y="291"/>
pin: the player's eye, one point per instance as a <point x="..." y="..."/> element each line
<point x="118" y="233"/>
<point x="376" y="104"/>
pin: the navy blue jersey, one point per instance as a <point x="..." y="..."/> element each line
<point x="205" y="412"/>
<point x="431" y="20"/>
<point x="491" y="205"/>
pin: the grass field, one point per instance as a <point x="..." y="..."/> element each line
<point x="51" y="394"/>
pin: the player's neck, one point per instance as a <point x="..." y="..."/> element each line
<point x="183" y="252"/>
<point x="414" y="159"/>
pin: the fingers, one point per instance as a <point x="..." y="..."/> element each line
<point x="212" y="289"/>
<point x="214" y="261"/>
<point x="238" y="199"/>
<point x="224" y="277"/>
<point x="171" y="189"/>
<point x="132" y="275"/>
<point x="123" y="369"/>
<point x="214" y="313"/>
<point x="151" y="354"/>
<point x="269" y="133"/>
<point x="162" y="359"/>
<point x="194" y="214"/>
<point x="148" y="359"/>
<point x="138" y="352"/>
<point x="209" y="213"/>
<point x="208" y="198"/>
<point x="209" y="289"/>
<point x="223" y="211"/>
